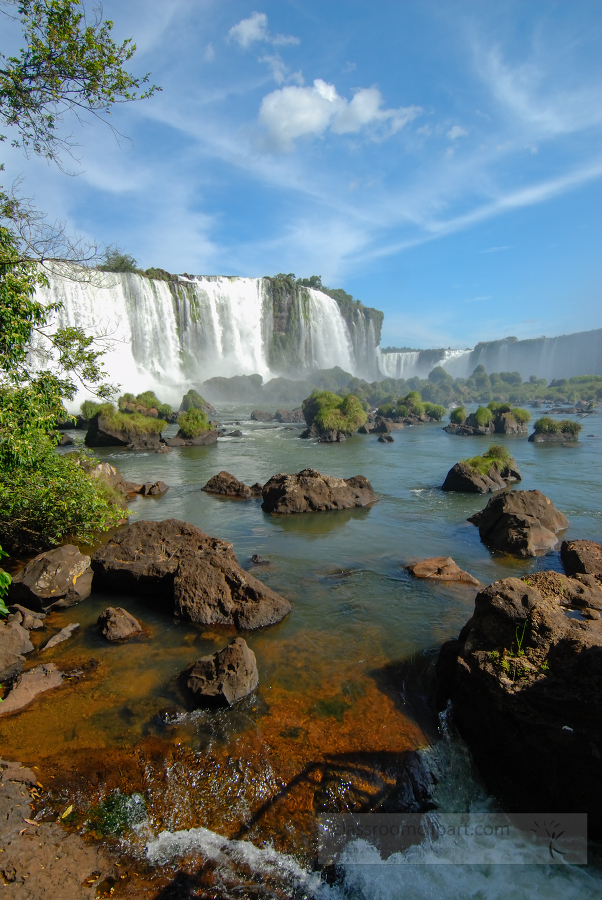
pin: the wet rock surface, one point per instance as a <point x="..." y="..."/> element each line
<point x="581" y="557"/>
<point x="63" y="635"/>
<point x="261" y="415"/>
<point x="29" y="685"/>
<point x="465" y="479"/>
<point x="42" y="861"/>
<point x="204" y="439"/>
<point x="523" y="523"/>
<point x="188" y="573"/>
<point x="289" y="416"/>
<point x="525" y="681"/>
<point x="224" y="677"/>
<point x="228" y="486"/>
<point x="385" y="439"/>
<point x="441" y="568"/>
<point x="54" y="579"/>
<point x="310" y="491"/>
<point x="117" y="624"/>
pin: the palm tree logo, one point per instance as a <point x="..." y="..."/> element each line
<point x="549" y="831"/>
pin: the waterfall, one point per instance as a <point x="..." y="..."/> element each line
<point x="169" y="335"/>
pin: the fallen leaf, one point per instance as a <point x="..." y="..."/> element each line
<point x="31" y="822"/>
<point x="67" y="812"/>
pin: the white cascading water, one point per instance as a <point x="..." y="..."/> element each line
<point x="167" y="335"/>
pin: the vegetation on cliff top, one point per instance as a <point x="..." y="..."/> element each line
<point x="329" y="412"/>
<point x="192" y="400"/>
<point x="545" y="425"/>
<point x="412" y="406"/>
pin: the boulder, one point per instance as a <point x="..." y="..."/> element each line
<point x="260" y="415"/>
<point x="203" y="439"/>
<point x="289" y="416"/>
<point x="523" y="523"/>
<point x="441" y="568"/>
<point x="581" y="557"/>
<point x="117" y="624"/>
<point x="14" y="638"/>
<point x="236" y="433"/>
<point x="65" y="441"/>
<point x="464" y="478"/>
<point x="63" y="635"/>
<point x="258" y="560"/>
<point x="467" y="429"/>
<point x="28" y="685"/>
<point x="223" y="678"/>
<point x="332" y="436"/>
<point x="525" y="682"/>
<point x="11" y="664"/>
<point x="101" y="433"/>
<point x="385" y="439"/>
<point x="56" y="578"/>
<point x="309" y="491"/>
<point x="154" y="489"/>
<point x="554" y="437"/>
<point x="30" y="620"/>
<point x="228" y="486"/>
<point x="188" y="573"/>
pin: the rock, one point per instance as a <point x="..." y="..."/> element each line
<point x="156" y="489"/>
<point x="63" y="635"/>
<point x="14" y="639"/>
<point x="10" y="664"/>
<point x="107" y="473"/>
<point x="464" y="478"/>
<point x="14" y="771"/>
<point x="259" y="560"/>
<point x="581" y="557"/>
<point x="201" y="440"/>
<point x="260" y="415"/>
<point x="102" y="434"/>
<point x="28" y="685"/>
<point x="525" y="684"/>
<point x="385" y="439"/>
<point x="164" y="449"/>
<point x="522" y="523"/>
<point x="580" y="592"/>
<point x="117" y="624"/>
<point x="228" y="486"/>
<point x="555" y="437"/>
<point x="57" y="578"/>
<point x="64" y="441"/>
<point x="30" y="620"/>
<point x="236" y="433"/>
<point x="381" y="425"/>
<point x="332" y="437"/>
<point x="225" y="677"/>
<point x="289" y="416"/>
<point x="441" y="568"/>
<point x="189" y="573"/>
<point x="368" y="428"/>
<point x="309" y="491"/>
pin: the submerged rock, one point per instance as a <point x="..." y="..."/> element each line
<point x="309" y="491"/>
<point x="261" y="415"/>
<point x="522" y="523"/>
<point x="466" y="479"/>
<point x="63" y="635"/>
<point x="117" y="624"/>
<point x="289" y="416"/>
<point x="225" y="677"/>
<point x="441" y="568"/>
<point x="228" y="486"/>
<point x="525" y="684"/>
<point x="581" y="557"/>
<point x="385" y="439"/>
<point x="56" y="578"/>
<point x="204" y="439"/>
<point x="189" y="573"/>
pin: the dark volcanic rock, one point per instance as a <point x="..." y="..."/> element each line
<point x="581" y="557"/>
<point x="464" y="478"/>
<point x="201" y="440"/>
<point x="223" y="678"/>
<point x="57" y="578"/>
<point x="65" y="441"/>
<point x="556" y="437"/>
<point x="520" y="522"/>
<point x="441" y="568"/>
<point x="385" y="439"/>
<point x="237" y="433"/>
<point x="289" y="416"/>
<point x="102" y="434"/>
<point x="228" y="486"/>
<point x="525" y="683"/>
<point x="309" y="491"/>
<point x="191" y="574"/>
<point x="332" y="436"/>
<point x="117" y="624"/>
<point x="260" y="415"/>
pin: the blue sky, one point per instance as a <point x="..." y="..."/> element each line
<point x="439" y="160"/>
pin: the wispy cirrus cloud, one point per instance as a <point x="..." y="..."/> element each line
<point x="255" y="30"/>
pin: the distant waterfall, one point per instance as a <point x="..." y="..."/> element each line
<point x="169" y="334"/>
<point x="416" y="363"/>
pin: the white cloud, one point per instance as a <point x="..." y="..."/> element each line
<point x="456" y="132"/>
<point x="294" y="112"/>
<point x="280" y="71"/>
<point x="255" y="28"/>
<point x="209" y="54"/>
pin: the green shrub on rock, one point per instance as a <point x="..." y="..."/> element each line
<point x="89" y="408"/>
<point x="329" y="412"/>
<point x="135" y="423"/>
<point x="545" y="425"/>
<point x="496" y="457"/>
<point x="458" y="415"/>
<point x="569" y="427"/>
<point x="192" y="400"/>
<point x="482" y="416"/>
<point x="193" y="423"/>
<point x="522" y="416"/>
<point x="434" y="411"/>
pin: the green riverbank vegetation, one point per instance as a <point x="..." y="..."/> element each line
<point x="193" y="422"/>
<point x="329" y="412"/>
